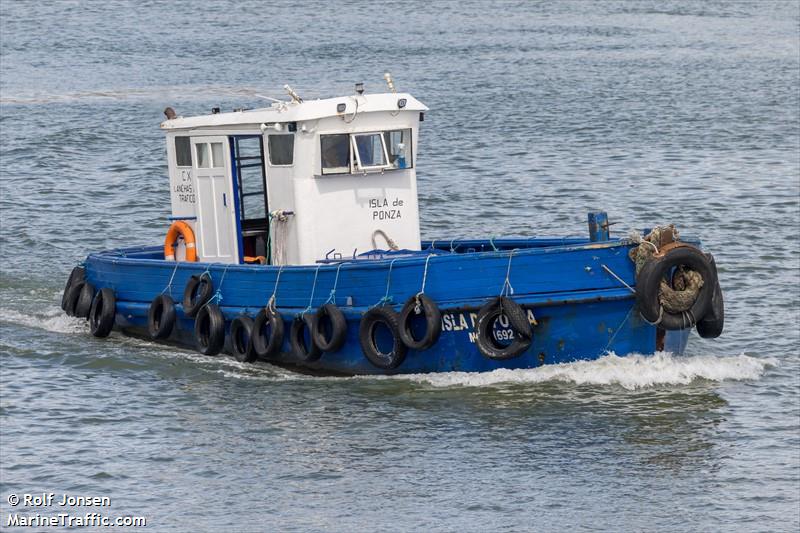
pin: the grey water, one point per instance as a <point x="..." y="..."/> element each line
<point x="658" y="112"/>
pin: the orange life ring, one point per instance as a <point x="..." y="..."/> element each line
<point x="182" y="229"/>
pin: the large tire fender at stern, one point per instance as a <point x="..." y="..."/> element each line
<point x="648" y="285"/>
<point x="711" y="326"/>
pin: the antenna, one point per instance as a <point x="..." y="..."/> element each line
<point x="268" y="98"/>
<point x="294" y="95"/>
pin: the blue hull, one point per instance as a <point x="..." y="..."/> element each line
<point x="579" y="310"/>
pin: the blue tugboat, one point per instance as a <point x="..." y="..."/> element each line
<point x="294" y="239"/>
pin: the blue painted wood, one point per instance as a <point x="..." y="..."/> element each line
<point x="598" y="226"/>
<point x="581" y="311"/>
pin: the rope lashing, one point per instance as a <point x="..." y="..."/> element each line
<point x="313" y="290"/>
<point x="425" y="275"/>
<point x="491" y="241"/>
<point x="172" y="277"/>
<point x="271" y="302"/>
<point x="418" y="305"/>
<point x="217" y="297"/>
<point x="386" y="298"/>
<point x="687" y="283"/>
<point x="277" y="235"/>
<point x="650" y="244"/>
<point x="507" y="289"/>
<point x="332" y="296"/>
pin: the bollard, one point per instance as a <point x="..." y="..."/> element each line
<point x="598" y="226"/>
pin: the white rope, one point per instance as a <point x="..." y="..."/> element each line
<point x="278" y="231"/>
<point x="424" y="276"/>
<point x="389" y="241"/>
<point x="271" y="303"/>
<point x="313" y="290"/>
<point x="172" y="277"/>
<point x="332" y="295"/>
<point x="507" y="288"/>
<point x="386" y="298"/>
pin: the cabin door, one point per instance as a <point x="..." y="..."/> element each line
<point x="217" y="240"/>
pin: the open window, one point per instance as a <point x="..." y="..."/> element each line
<point x="370" y="152"/>
<point x="343" y="153"/>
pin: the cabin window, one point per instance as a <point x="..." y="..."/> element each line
<point x="370" y="151"/>
<point x="398" y="144"/>
<point x="335" y="153"/>
<point x="281" y="150"/>
<point x="183" y="152"/>
<point x="217" y="159"/>
<point x="203" y="155"/>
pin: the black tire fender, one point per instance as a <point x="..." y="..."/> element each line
<point x="84" y="302"/>
<point x="209" y="330"/>
<point x="197" y="293"/>
<point x="103" y="312"/>
<point x="78" y="274"/>
<point x="423" y="305"/>
<point x="711" y="326"/>
<point x="161" y="317"/>
<point x="329" y="339"/>
<point x="267" y="345"/>
<point x="73" y="294"/>
<point x="241" y="335"/>
<point x="366" y="337"/>
<point x="648" y="283"/>
<point x="488" y="345"/>
<point x="305" y="351"/>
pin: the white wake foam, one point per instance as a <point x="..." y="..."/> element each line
<point x="631" y="372"/>
<point x="53" y="320"/>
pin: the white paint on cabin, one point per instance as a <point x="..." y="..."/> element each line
<point x="363" y="186"/>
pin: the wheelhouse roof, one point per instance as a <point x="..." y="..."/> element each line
<point x="298" y="112"/>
